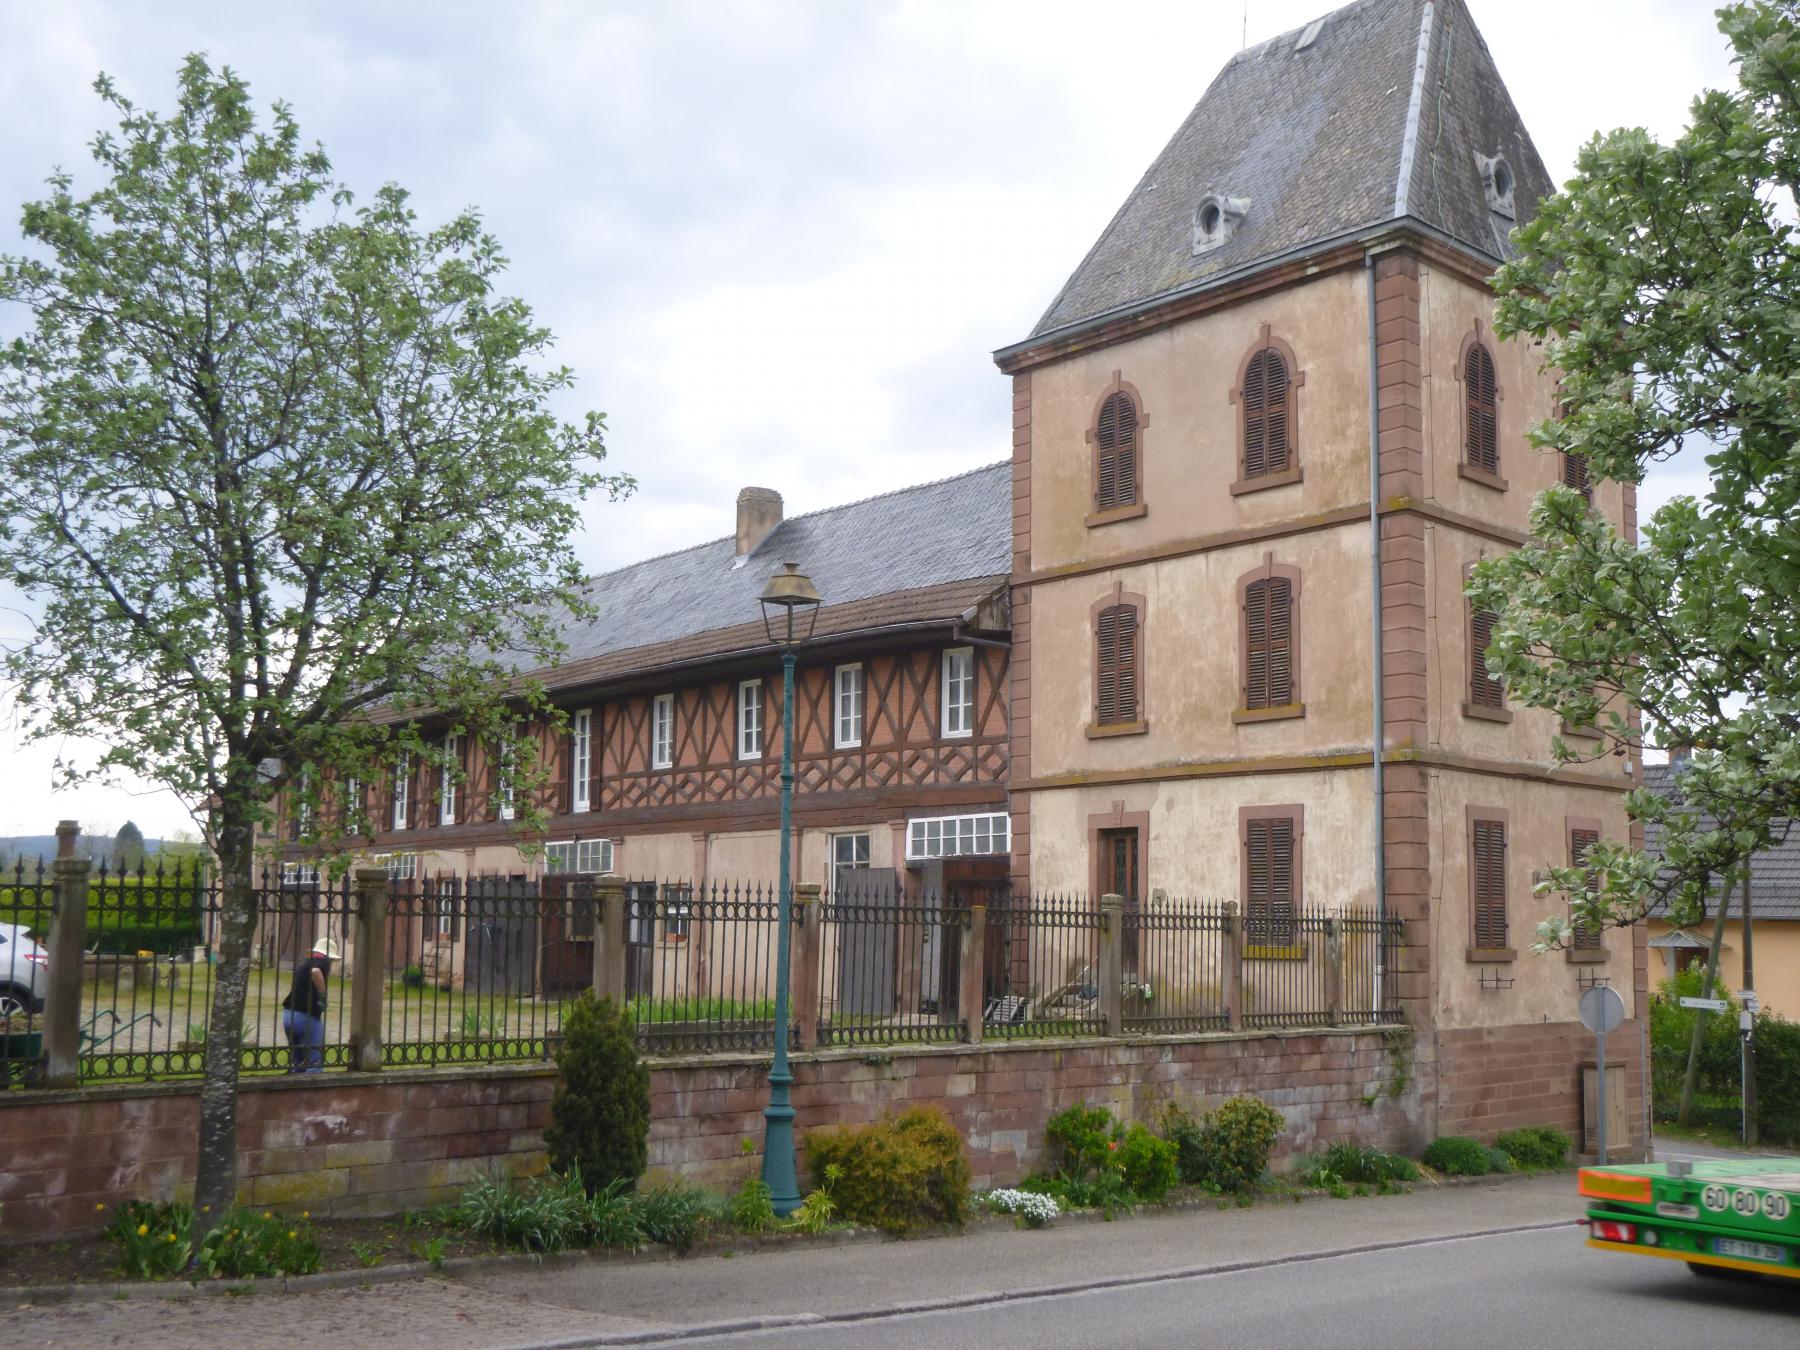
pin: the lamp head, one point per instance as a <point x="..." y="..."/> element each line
<point x="790" y="593"/>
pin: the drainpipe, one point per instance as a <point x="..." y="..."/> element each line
<point x="1380" y="725"/>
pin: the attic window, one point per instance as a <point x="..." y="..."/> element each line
<point x="1497" y="182"/>
<point x="1216" y="220"/>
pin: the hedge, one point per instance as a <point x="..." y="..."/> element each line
<point x="128" y="915"/>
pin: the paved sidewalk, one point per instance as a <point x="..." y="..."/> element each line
<point x="518" y="1306"/>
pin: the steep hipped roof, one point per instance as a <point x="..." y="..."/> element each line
<point x="917" y="555"/>
<point x="1375" y="113"/>
<point x="1774" y="872"/>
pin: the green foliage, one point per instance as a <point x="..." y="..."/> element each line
<point x="817" y="1208"/>
<point x="1778" y="1080"/>
<point x="128" y="846"/>
<point x="1535" y="1147"/>
<point x="1457" y="1155"/>
<point x="1080" y="1138"/>
<point x="1499" y="1161"/>
<point x="1343" y="1165"/>
<point x="614" y="1217"/>
<point x="1718" y="1071"/>
<point x="899" y="1174"/>
<point x="251" y="1244"/>
<point x="1227" y="1149"/>
<point x="676" y="1215"/>
<point x="1106" y="1191"/>
<point x="1146" y="1164"/>
<point x="551" y="1213"/>
<point x="750" y="1209"/>
<point x="126" y="914"/>
<point x="646" y="1011"/>
<point x="152" y="1239"/>
<point x="600" y="1113"/>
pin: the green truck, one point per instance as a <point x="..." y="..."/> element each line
<point x="1719" y="1217"/>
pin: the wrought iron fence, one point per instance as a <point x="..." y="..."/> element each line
<point x="27" y="904"/>
<point x="1041" y="973"/>
<point x="700" y="965"/>
<point x="890" y="970"/>
<point x="1173" y="962"/>
<point x="1371" y="950"/>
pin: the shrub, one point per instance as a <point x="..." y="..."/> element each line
<point x="152" y="1239"/>
<point x="1671" y="1034"/>
<point x="1355" y="1165"/>
<point x="899" y="1174"/>
<point x="600" y="1114"/>
<point x="1535" y="1146"/>
<point x="676" y="1215"/>
<point x="1227" y="1149"/>
<point x="1146" y="1164"/>
<point x="751" y="1209"/>
<point x="613" y="1218"/>
<point x="1457" y="1155"/>
<point x="1498" y="1161"/>
<point x="817" y="1207"/>
<point x="246" y="1244"/>
<point x="1081" y="1140"/>
<point x="1106" y="1192"/>
<point x="544" y="1215"/>
<point x="1778" y="1079"/>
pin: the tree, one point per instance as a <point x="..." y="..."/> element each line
<point x="1663" y="284"/>
<point x="128" y="847"/>
<point x="282" y="472"/>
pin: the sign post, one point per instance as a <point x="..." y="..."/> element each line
<point x="1601" y="1010"/>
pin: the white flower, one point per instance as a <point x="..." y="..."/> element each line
<point x="1036" y="1210"/>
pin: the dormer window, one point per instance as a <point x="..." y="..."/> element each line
<point x="1216" y="220"/>
<point x="1497" y="182"/>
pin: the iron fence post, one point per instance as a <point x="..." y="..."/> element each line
<point x="68" y="938"/>
<point x="611" y="931"/>
<point x="809" y="931"/>
<point x="1231" y="965"/>
<point x="1112" y="963"/>
<point x="971" y="966"/>
<point x="367" y="967"/>
<point x="1334" y="971"/>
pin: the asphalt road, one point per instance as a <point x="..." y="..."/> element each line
<point x="1523" y="1289"/>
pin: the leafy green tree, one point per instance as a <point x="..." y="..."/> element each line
<point x="128" y="846"/>
<point x="281" y="471"/>
<point x="1663" y="283"/>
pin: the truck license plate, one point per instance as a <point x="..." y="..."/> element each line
<point x="1753" y="1251"/>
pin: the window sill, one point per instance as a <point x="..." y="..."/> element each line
<point x="1583" y="733"/>
<point x="1099" y="732"/>
<point x="1286" y="478"/>
<point x="1136" y="511"/>
<point x="1482" y="713"/>
<point x="1585" y="956"/>
<point x="1464" y="469"/>
<point x="1275" y="714"/>
<point x="1490" y="956"/>
<point x="1291" y="952"/>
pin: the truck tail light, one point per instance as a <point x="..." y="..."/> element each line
<point x="1610" y="1230"/>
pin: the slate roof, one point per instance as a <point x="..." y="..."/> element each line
<point x="919" y="555"/>
<point x="1315" y="138"/>
<point x="1774" y="873"/>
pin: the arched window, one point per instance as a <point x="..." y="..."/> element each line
<point x="1481" y="393"/>
<point x="1267" y="446"/>
<point x="1117" y="438"/>
<point x="1116" y="669"/>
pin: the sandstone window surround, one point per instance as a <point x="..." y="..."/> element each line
<point x="1476" y="372"/>
<point x="1488" y="861"/>
<point x="1271" y="846"/>
<point x="1268" y="402"/>
<point x="1116" y="440"/>
<point x="1587" y="945"/>
<point x="1269" y="643"/>
<point x="1117" y="619"/>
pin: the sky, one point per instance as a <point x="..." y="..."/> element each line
<point x="777" y="241"/>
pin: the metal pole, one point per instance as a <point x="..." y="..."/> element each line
<point x="1748" y="1079"/>
<point x="1600" y="1093"/>
<point x="778" y="1172"/>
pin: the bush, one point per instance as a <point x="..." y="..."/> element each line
<point x="249" y="1245"/>
<point x="1457" y="1155"/>
<point x="676" y="1215"/>
<point x="1671" y="1032"/>
<point x="1146" y="1164"/>
<point x="751" y="1209"/>
<point x="1106" y="1192"/>
<point x="1778" y="1080"/>
<point x="899" y="1174"/>
<point x="1535" y="1146"/>
<point x="1498" y="1161"/>
<point x="1227" y="1149"/>
<point x="1081" y="1139"/>
<point x="152" y="1239"/>
<point x="1346" y="1164"/>
<point x="600" y="1114"/>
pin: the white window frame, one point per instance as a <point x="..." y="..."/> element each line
<point x="299" y="874"/>
<point x="930" y="837"/>
<point x="446" y="914"/>
<point x="581" y="760"/>
<point x="402" y="791"/>
<point x="958" y="673"/>
<point x="400" y="866"/>
<point x="593" y="857"/>
<point x="447" y="784"/>
<point x="838" y="865"/>
<point x="847" y="706"/>
<point x="662" y="731"/>
<point x="503" y="788"/>
<point x="353" y="805"/>
<point x="750" y="719"/>
<point x="563" y="849"/>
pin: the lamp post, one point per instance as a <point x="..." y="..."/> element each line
<point x="788" y="601"/>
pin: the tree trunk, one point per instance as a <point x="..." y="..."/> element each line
<point x="215" y="1171"/>
<point x="1684" y="1114"/>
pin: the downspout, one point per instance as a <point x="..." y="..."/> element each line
<point x="1378" y="716"/>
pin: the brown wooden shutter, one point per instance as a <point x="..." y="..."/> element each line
<point x="1484" y="690"/>
<point x="1116" y="673"/>
<point x="1270" y="866"/>
<point x="1117" y="439"/>
<point x="1490" y="884"/>
<point x="1483" y="420"/>
<point x="1586" y="936"/>
<point x="1575" y="475"/>
<point x="1268" y="643"/>
<point x="1267" y="421"/>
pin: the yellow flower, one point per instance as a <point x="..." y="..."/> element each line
<point x="306" y="1214"/>
<point x="171" y="1237"/>
<point x="99" y="1207"/>
<point x="206" y="1209"/>
<point x="292" y="1233"/>
<point x="143" y="1228"/>
<point x="268" y="1214"/>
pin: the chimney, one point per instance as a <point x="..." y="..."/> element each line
<point x="758" y="512"/>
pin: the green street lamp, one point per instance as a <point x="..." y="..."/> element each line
<point x="790" y="603"/>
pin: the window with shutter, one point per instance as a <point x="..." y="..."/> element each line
<point x="1480" y="398"/>
<point x="1116" y="670"/>
<point x="1485" y="691"/>
<point x="1489" y="868"/>
<point x="1587" y="937"/>
<point x="1268" y="643"/>
<point x="1575" y="475"/>
<point x="1267" y="422"/>
<point x="1269" y="868"/>
<point x="1116" y="444"/>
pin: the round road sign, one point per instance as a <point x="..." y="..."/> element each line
<point x="1602" y="1009"/>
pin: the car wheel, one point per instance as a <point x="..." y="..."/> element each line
<point x="11" y="1005"/>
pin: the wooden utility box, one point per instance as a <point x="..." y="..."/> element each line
<point x="1618" y="1109"/>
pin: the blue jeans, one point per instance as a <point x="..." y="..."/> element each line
<point x="306" y="1041"/>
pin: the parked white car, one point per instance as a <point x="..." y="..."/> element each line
<point x="23" y="974"/>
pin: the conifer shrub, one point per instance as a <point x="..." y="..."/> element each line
<point x="898" y="1174"/>
<point x="600" y="1114"/>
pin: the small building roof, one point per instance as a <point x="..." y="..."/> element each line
<point x="1774" y="872"/>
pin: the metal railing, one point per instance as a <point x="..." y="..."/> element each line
<point x="1041" y="973"/>
<point x="890" y="970"/>
<point x="700" y="965"/>
<point x="1173" y="966"/>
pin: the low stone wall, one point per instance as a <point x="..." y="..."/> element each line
<point x="1490" y="1079"/>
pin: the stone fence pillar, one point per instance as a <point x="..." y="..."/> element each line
<point x="1112" y="963"/>
<point x="367" y="968"/>
<point x="68" y="936"/>
<point x="971" y="968"/>
<point x="612" y="930"/>
<point x="808" y="955"/>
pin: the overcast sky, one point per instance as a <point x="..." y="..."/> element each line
<point x="776" y="241"/>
